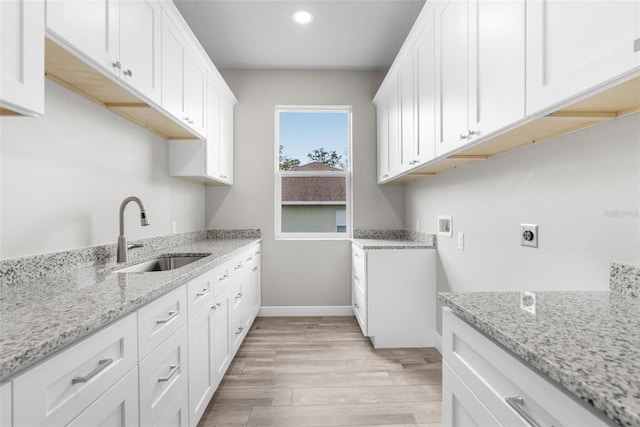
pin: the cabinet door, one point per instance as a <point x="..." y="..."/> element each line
<point x="426" y="103"/>
<point x="451" y="55"/>
<point x="407" y="112"/>
<point x="177" y="414"/>
<point x="140" y="46"/>
<point x="202" y="373"/>
<point x="394" y="126"/>
<point x="194" y="84"/>
<point x="89" y="26"/>
<point x="172" y="68"/>
<point x="118" y="407"/>
<point x="212" y="145"/>
<point x="575" y="46"/>
<point x="226" y="139"/>
<point x="22" y="56"/>
<point x="460" y="407"/>
<point x="222" y="347"/>
<point x="496" y="65"/>
<point x="382" y="120"/>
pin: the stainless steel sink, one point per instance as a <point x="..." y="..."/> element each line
<point x="162" y="263"/>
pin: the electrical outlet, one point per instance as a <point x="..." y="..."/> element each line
<point x="174" y="227"/>
<point x="461" y="241"/>
<point x="529" y="235"/>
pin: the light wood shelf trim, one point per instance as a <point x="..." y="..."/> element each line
<point x="609" y="104"/>
<point x="75" y="74"/>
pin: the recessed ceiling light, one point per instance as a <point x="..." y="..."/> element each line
<point x="302" y="17"/>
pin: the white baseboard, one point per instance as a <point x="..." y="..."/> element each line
<point x="438" y="341"/>
<point x="302" y="311"/>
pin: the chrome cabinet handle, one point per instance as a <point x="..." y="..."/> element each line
<point x="172" y="314"/>
<point x="255" y="269"/>
<point x="239" y="295"/>
<point x="128" y="73"/>
<point x="257" y="252"/>
<point x="102" y="364"/>
<point x="237" y="267"/>
<point x="249" y="259"/>
<point x="517" y="403"/>
<point x="357" y="278"/>
<point x="471" y="133"/>
<point x="355" y="304"/>
<point x="203" y="293"/>
<point x="356" y="255"/>
<point x="239" y="331"/>
<point x="225" y="277"/>
<point x="218" y="304"/>
<point x="463" y="136"/>
<point x="215" y="306"/>
<point x="385" y="176"/>
<point x="223" y="176"/>
<point x="172" y="370"/>
<point x="116" y="64"/>
<point x="190" y="121"/>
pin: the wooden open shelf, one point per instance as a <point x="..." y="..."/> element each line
<point x="75" y="74"/>
<point x="609" y="104"/>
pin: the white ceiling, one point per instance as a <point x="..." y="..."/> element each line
<point x="259" y="34"/>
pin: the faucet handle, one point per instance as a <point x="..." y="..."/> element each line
<point x="135" y="245"/>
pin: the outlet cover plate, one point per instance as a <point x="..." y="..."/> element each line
<point x="529" y="235"/>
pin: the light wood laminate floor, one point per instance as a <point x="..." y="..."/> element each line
<point x="321" y="371"/>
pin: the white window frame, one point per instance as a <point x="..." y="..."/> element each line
<point x="279" y="234"/>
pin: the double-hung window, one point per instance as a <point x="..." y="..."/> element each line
<point x="313" y="177"/>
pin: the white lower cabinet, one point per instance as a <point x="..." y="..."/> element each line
<point x="118" y="407"/>
<point x="202" y="375"/>
<point x="163" y="374"/>
<point x="394" y="296"/>
<point x="485" y="385"/>
<point x="221" y="332"/>
<point x="58" y="390"/>
<point x="152" y="367"/>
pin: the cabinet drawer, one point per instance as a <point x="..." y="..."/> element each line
<point x="460" y="407"/>
<point x="59" y="389"/>
<point x="359" y="282"/>
<point x="117" y="407"/>
<point x="163" y="374"/>
<point x="494" y="375"/>
<point x="199" y="292"/>
<point x="221" y="275"/>
<point x="357" y="256"/>
<point x="161" y="318"/>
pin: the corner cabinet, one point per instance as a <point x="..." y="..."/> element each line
<point x="22" y="57"/>
<point x="483" y="384"/>
<point x="393" y="295"/>
<point x="157" y="366"/>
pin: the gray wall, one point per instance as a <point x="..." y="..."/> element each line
<point x="583" y="191"/>
<point x="300" y="273"/>
<point x="64" y="175"/>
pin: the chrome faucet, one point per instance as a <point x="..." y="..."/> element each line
<point x="122" y="241"/>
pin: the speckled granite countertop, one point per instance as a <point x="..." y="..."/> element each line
<point x="587" y="341"/>
<point x="42" y="315"/>
<point x="393" y="239"/>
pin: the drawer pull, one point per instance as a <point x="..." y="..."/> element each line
<point x="357" y="278"/>
<point x="239" y="331"/>
<point x="225" y="277"/>
<point x="102" y="364"/>
<point x="172" y="370"/>
<point x="257" y="252"/>
<point x="249" y="259"/>
<point x="356" y="305"/>
<point x="239" y="295"/>
<point x="172" y="314"/>
<point x="215" y="307"/>
<point x="517" y="403"/>
<point x="237" y="267"/>
<point x="203" y="293"/>
<point x="255" y="269"/>
<point x="356" y="255"/>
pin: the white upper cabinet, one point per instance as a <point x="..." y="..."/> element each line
<point x="22" y="57"/>
<point x="393" y="104"/>
<point x="122" y="37"/>
<point x="425" y="69"/>
<point x="408" y="134"/>
<point x="183" y="78"/>
<point x="382" y="114"/>
<point x="212" y="144"/>
<point x="140" y="46"/>
<point x="452" y="75"/>
<point x="496" y="65"/>
<point x="226" y="138"/>
<point x="573" y="47"/>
